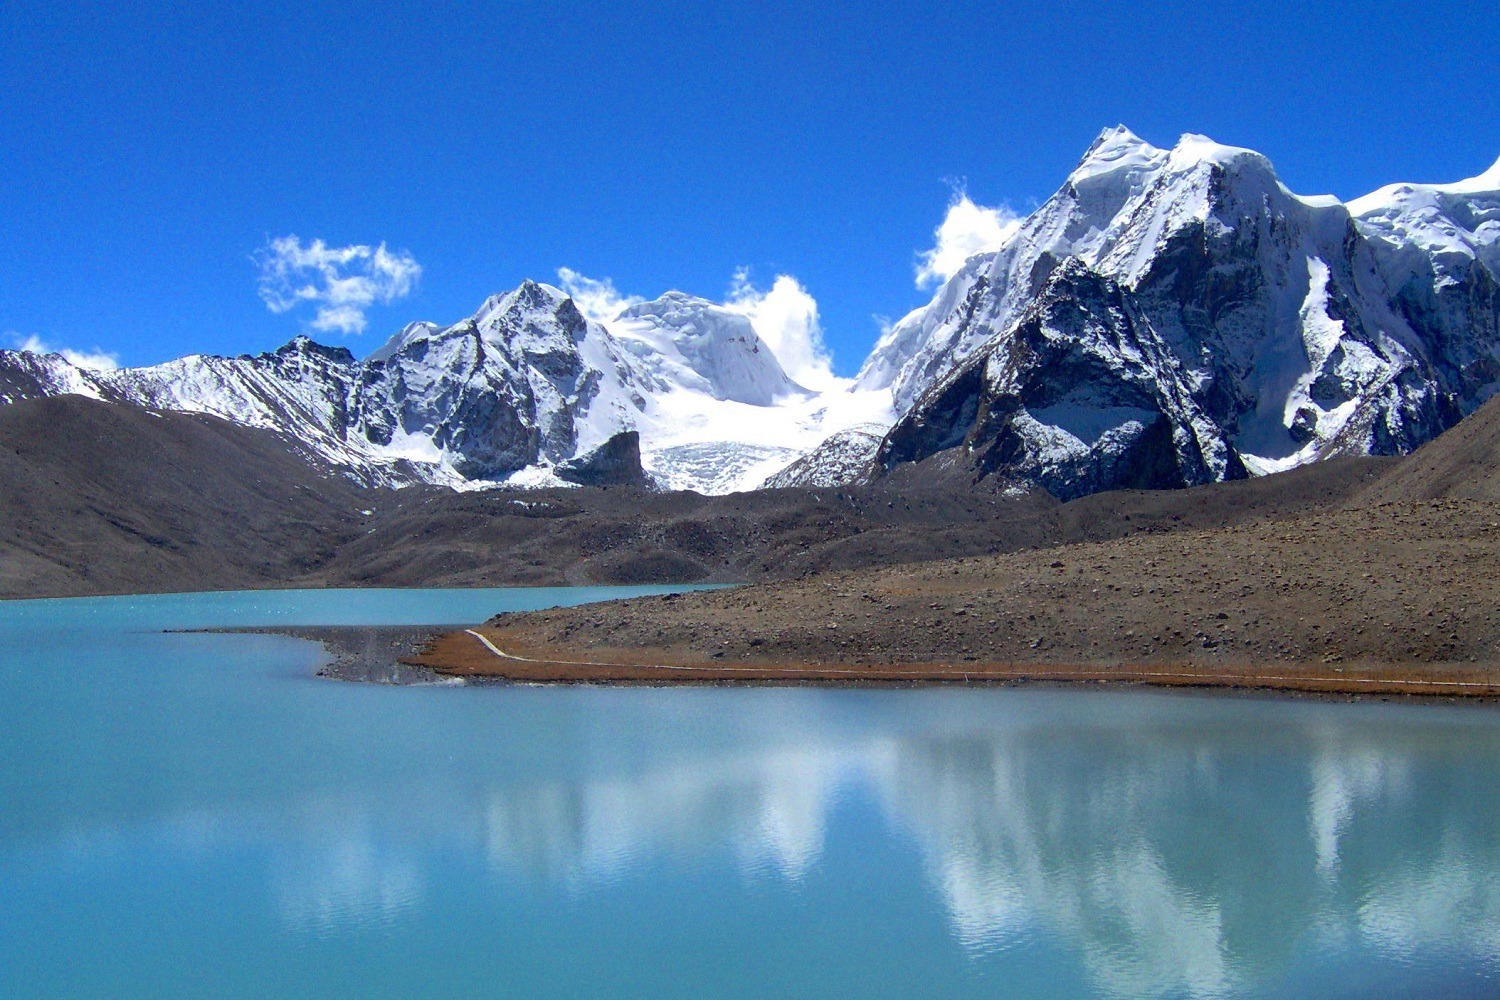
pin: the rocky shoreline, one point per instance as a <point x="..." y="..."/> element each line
<point x="429" y="654"/>
<point x="1394" y="598"/>
<point x="1382" y="597"/>
<point x="372" y="654"/>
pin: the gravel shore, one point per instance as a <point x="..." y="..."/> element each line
<point x="1400" y="597"/>
<point x="377" y="654"/>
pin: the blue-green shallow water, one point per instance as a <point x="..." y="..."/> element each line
<point x="195" y="815"/>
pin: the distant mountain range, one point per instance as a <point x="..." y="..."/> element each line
<point x="522" y="392"/>
<point x="1167" y="318"/>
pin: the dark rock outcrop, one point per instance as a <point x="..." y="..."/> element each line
<point x="1080" y="397"/>
<point x="616" y="462"/>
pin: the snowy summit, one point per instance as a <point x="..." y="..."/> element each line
<point x="1167" y="317"/>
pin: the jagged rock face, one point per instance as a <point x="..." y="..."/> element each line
<point x="302" y="389"/>
<point x="1437" y="250"/>
<point x="1073" y="400"/>
<point x="1185" y="300"/>
<point x="993" y="288"/>
<point x="616" y="462"/>
<point x="1167" y="317"/>
<point x="512" y="387"/>
<point x="526" y="381"/>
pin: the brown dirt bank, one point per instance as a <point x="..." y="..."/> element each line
<point x="97" y="498"/>
<point x="1393" y="597"/>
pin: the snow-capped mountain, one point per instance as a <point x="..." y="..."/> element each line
<point x="525" y="391"/>
<point x="842" y="458"/>
<point x="526" y="382"/>
<point x="1168" y="317"/>
<point x="1438" y="252"/>
<point x="1179" y="316"/>
<point x="29" y="375"/>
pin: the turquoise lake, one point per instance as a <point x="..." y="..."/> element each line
<point x="199" y="816"/>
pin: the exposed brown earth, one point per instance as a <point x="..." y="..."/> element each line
<point x="1354" y="574"/>
<point x="1406" y="594"/>
<point x="1461" y="464"/>
<point x="98" y="498"/>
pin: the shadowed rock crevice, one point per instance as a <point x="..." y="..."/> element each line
<point x="616" y="462"/>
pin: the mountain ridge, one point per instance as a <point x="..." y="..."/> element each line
<point x="1277" y="339"/>
<point x="1180" y="310"/>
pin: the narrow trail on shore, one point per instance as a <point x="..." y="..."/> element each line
<point x="678" y="666"/>
<point x="986" y="673"/>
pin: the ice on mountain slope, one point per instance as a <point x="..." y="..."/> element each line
<point x="722" y="414"/>
<point x="301" y="389"/>
<point x="726" y="446"/>
<point x="298" y="391"/>
<point x="1448" y="222"/>
<point x="508" y="395"/>
<point x="527" y="380"/>
<point x="26" y="374"/>
<point x="930" y="341"/>
<point x="842" y="458"/>
<point x="917" y="349"/>
<point x="1280" y="316"/>
<point x="1437" y="248"/>
<point x="700" y="346"/>
<point x="1114" y="209"/>
<point x="1081" y="395"/>
<point x="528" y="383"/>
<point x="1167" y="317"/>
<point x="1342" y="374"/>
<point x="407" y="334"/>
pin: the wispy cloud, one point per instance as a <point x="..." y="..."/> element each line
<point x="967" y="229"/>
<point x="96" y="360"/>
<point x="341" y="282"/>
<point x="596" y="298"/>
<point x="785" y="316"/>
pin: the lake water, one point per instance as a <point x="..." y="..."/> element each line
<point x="197" y="815"/>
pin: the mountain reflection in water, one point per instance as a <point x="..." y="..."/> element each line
<point x="1179" y="855"/>
<point x="1178" y="858"/>
<point x="739" y="842"/>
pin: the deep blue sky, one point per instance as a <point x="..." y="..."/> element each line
<point x="147" y="152"/>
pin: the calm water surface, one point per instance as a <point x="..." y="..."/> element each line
<point x="196" y="815"/>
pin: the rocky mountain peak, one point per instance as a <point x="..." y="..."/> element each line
<point x="1168" y="316"/>
<point x="303" y="346"/>
<point x="1276" y="328"/>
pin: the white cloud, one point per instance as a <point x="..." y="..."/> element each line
<point x="967" y="229"/>
<point x="96" y="360"/>
<point x="597" y="299"/>
<point x="785" y="316"/>
<point x="343" y="282"/>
